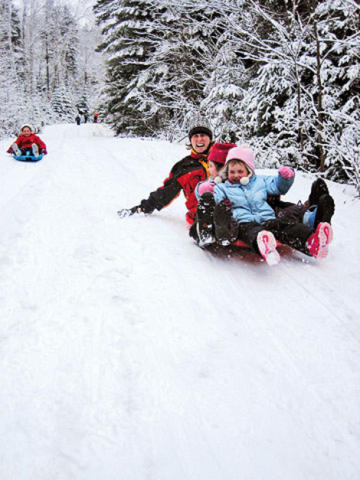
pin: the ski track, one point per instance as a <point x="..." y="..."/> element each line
<point x="128" y="352"/>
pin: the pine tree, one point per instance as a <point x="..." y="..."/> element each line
<point x="172" y="87"/>
<point x="10" y="66"/>
<point x="160" y="60"/>
<point x="305" y="92"/>
<point x="62" y="104"/>
<point x="127" y="28"/>
<point x="336" y="39"/>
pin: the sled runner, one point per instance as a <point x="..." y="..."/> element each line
<point x="239" y="243"/>
<point x="28" y="157"/>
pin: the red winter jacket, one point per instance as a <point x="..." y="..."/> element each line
<point x="184" y="175"/>
<point x="26" y="141"/>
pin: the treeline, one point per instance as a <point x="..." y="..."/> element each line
<point x="48" y="66"/>
<point x="283" y="76"/>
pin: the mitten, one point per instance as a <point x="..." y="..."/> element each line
<point x="286" y="172"/>
<point x="206" y="187"/>
<point x="136" y="209"/>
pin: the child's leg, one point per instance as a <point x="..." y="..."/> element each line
<point x="289" y="233"/>
<point x="260" y="241"/>
<point x="202" y="230"/>
<point x="26" y="151"/>
<point x="322" y="212"/>
<point x="325" y="210"/>
<point x="192" y="231"/>
<point x="35" y="150"/>
<point x="294" y="213"/>
<point x="302" y="237"/>
<point x="226" y="227"/>
<point x="318" y="243"/>
<point x="248" y="232"/>
<point x="318" y="188"/>
<point x="16" y="149"/>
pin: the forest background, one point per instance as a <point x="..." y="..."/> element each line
<point x="283" y="76"/>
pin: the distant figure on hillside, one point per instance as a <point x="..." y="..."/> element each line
<point x="77" y="120"/>
<point x="85" y="117"/>
<point x="96" y="118"/>
<point x="27" y="141"/>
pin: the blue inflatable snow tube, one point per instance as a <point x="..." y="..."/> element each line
<point x="28" y="158"/>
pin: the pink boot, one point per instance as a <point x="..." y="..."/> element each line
<point x="318" y="242"/>
<point x="266" y="243"/>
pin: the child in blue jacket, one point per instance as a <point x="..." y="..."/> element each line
<point x="242" y="212"/>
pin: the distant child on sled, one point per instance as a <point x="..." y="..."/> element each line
<point x="241" y="211"/>
<point x="27" y="141"/>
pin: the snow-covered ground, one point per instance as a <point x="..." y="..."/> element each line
<point x="126" y="352"/>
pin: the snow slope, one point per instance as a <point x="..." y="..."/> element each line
<point x="127" y="352"/>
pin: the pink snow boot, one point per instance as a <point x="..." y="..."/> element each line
<point x="318" y="243"/>
<point x="266" y="243"/>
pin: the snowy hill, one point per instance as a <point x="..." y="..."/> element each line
<point x="129" y="353"/>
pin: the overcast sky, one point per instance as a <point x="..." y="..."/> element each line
<point x="82" y="8"/>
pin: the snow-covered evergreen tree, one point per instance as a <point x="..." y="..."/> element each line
<point x="63" y="104"/>
<point x="229" y="74"/>
<point x="172" y="87"/>
<point x="40" y="51"/>
<point x="282" y="76"/>
<point x="308" y="72"/>
<point x="127" y="28"/>
<point x="160" y="59"/>
<point x="336" y="37"/>
<point x="11" y="93"/>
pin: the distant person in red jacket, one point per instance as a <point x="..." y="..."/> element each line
<point x="28" y="141"/>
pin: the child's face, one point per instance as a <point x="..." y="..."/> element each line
<point x="26" y="131"/>
<point x="236" y="171"/>
<point x="213" y="169"/>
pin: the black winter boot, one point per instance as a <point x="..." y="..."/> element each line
<point x="325" y="210"/>
<point x="318" y="188"/>
<point x="226" y="228"/>
<point x="204" y="220"/>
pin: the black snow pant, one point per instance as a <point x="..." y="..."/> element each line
<point x="193" y="233"/>
<point x="285" y="231"/>
<point x="286" y="210"/>
<point x="203" y="218"/>
<point x="25" y="150"/>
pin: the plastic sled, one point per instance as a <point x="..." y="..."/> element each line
<point x="28" y="157"/>
<point x="239" y="243"/>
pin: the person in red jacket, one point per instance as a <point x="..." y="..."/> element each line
<point x="184" y="175"/>
<point x="27" y="141"/>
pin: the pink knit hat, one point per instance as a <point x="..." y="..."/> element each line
<point x="243" y="153"/>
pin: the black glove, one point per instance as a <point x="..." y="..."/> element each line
<point x="126" y="212"/>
